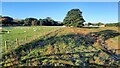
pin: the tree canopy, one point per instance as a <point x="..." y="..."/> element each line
<point x="30" y="21"/>
<point x="99" y="23"/>
<point x="48" y="22"/>
<point x="74" y="18"/>
<point x="113" y="24"/>
<point x="9" y="21"/>
<point x="6" y="20"/>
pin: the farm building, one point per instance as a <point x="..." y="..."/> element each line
<point x="102" y="26"/>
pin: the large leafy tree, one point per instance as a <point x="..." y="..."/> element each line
<point x="47" y="22"/>
<point x="30" y="21"/>
<point x="40" y="22"/>
<point x="74" y="18"/>
<point x="7" y="20"/>
<point x="99" y="23"/>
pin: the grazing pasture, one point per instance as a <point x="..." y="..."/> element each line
<point x="60" y="46"/>
<point x="24" y="34"/>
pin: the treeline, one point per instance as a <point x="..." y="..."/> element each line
<point x="113" y="24"/>
<point x="100" y="23"/>
<point x="9" y="21"/>
<point x="73" y="18"/>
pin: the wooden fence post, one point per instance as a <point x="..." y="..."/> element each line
<point x="25" y="38"/>
<point x="17" y="42"/>
<point x="6" y="45"/>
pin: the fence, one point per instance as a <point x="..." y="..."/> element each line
<point x="11" y="44"/>
<point x="8" y="45"/>
<point x="17" y="42"/>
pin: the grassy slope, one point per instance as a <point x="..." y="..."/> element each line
<point x="23" y="34"/>
<point x="62" y="47"/>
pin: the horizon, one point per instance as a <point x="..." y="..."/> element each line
<point x="94" y="12"/>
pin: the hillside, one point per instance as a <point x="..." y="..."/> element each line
<point x="67" y="46"/>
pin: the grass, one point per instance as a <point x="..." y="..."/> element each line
<point x="23" y="34"/>
<point x="61" y="46"/>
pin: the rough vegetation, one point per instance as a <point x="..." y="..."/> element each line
<point x="66" y="46"/>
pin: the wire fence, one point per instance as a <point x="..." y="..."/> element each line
<point x="8" y="44"/>
<point x="11" y="44"/>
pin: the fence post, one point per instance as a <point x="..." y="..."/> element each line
<point x="6" y="45"/>
<point x="17" y="42"/>
<point x="25" y="38"/>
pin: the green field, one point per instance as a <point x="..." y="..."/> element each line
<point x="23" y="34"/>
<point x="57" y="46"/>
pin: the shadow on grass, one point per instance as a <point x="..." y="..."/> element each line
<point x="106" y="34"/>
<point x="76" y="40"/>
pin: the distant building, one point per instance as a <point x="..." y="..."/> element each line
<point x="91" y="26"/>
<point x="0" y="28"/>
<point x="102" y="26"/>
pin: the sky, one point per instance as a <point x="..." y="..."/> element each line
<point x="59" y="0"/>
<point x="105" y="12"/>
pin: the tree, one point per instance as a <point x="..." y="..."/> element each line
<point x="99" y="23"/>
<point x="34" y="22"/>
<point x="0" y="20"/>
<point x="7" y="20"/>
<point x="21" y="22"/>
<point x="40" y="22"/>
<point x="47" y="22"/>
<point x="113" y="24"/>
<point x="89" y="24"/>
<point x="74" y="18"/>
<point x="30" y="21"/>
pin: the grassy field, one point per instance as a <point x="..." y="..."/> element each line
<point x="59" y="46"/>
<point x="23" y="34"/>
